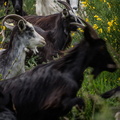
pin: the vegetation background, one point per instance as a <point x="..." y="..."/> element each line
<point x="104" y="16"/>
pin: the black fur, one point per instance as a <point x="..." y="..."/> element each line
<point x="58" y="38"/>
<point x="49" y="90"/>
<point x="6" y="107"/>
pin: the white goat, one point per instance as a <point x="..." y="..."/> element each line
<point x="47" y="7"/>
<point x="23" y="37"/>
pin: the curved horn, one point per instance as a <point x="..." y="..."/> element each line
<point x="92" y="31"/>
<point x="15" y="17"/>
<point x="65" y="4"/>
<point x="78" y="24"/>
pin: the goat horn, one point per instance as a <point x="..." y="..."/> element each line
<point x="93" y="32"/>
<point x="65" y="4"/>
<point x="15" y="17"/>
<point x="78" y="24"/>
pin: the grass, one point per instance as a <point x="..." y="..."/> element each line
<point x="104" y="16"/>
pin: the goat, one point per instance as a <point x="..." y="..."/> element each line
<point x="74" y="5"/>
<point x="59" y="28"/>
<point x="18" y="6"/>
<point x="49" y="22"/>
<point x="57" y="39"/>
<point x="23" y="37"/>
<point x="6" y="107"/>
<point x="48" y="91"/>
<point x="112" y="93"/>
<point x="45" y="7"/>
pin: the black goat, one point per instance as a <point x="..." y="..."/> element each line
<point x="49" y="90"/>
<point x="23" y="37"/>
<point x="18" y="6"/>
<point x="6" y="107"/>
<point x="48" y="22"/>
<point x="56" y="39"/>
<point x="59" y="28"/>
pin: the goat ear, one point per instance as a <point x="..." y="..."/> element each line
<point x="21" y="25"/>
<point x="88" y="35"/>
<point x="65" y="13"/>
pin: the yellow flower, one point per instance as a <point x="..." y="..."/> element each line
<point x="84" y="4"/>
<point x="95" y="26"/>
<point x="87" y="19"/>
<point x="73" y="34"/>
<point x="99" y="19"/>
<point x="72" y="46"/>
<point x="119" y="78"/>
<point x="96" y="16"/>
<point x="79" y="29"/>
<point x="109" y="6"/>
<point x="5" y="3"/>
<point x="100" y="30"/>
<point x="110" y="23"/>
<point x="109" y="29"/>
<point x="3" y="27"/>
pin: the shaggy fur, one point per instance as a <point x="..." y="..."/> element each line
<point x="58" y="30"/>
<point x="48" y="7"/>
<point x="49" y="90"/>
<point x="6" y="107"/>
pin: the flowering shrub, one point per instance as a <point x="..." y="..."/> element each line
<point x="105" y="18"/>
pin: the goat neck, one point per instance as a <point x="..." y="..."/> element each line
<point x="14" y="57"/>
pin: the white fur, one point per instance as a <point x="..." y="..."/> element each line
<point x="48" y="7"/>
<point x="74" y="3"/>
<point x="13" y="63"/>
<point x="35" y="41"/>
<point x="117" y="116"/>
